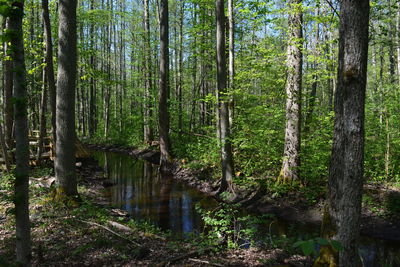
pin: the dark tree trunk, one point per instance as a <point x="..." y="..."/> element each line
<point x="346" y="170"/>
<point x="291" y="155"/>
<point x="314" y="85"/>
<point x="49" y="66"/>
<point x="23" y="236"/>
<point x="43" y="110"/>
<point x="166" y="158"/>
<point x="8" y="92"/>
<point x="4" y="152"/>
<point x="66" y="83"/>
<point x="223" y="101"/>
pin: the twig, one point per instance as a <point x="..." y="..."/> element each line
<point x="333" y="8"/>
<point x="205" y="262"/>
<point x="185" y="256"/>
<point x="111" y="231"/>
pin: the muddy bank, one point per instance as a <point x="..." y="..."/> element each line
<point x="292" y="207"/>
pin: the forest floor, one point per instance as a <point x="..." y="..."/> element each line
<point x="90" y="233"/>
<point x="380" y="203"/>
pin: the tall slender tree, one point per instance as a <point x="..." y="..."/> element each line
<point x="223" y="102"/>
<point x="21" y="199"/>
<point x="8" y="92"/>
<point x="347" y="163"/>
<point x="66" y="82"/>
<point x="291" y="155"/>
<point x="166" y="158"/>
<point x="148" y="130"/>
<point x="49" y="69"/>
<point x="231" y="68"/>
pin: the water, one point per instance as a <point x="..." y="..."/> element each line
<point x="145" y="195"/>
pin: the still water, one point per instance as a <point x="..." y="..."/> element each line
<point x="145" y="195"/>
<point x="171" y="205"/>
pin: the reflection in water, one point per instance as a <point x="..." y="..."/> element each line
<point x="147" y="195"/>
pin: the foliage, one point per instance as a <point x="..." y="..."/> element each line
<point x="225" y="226"/>
<point x="311" y="246"/>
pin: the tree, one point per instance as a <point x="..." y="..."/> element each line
<point x="231" y="26"/>
<point x="8" y="91"/>
<point x="163" y="114"/>
<point x="65" y="119"/>
<point x="4" y="152"/>
<point x="291" y="155"/>
<point x="21" y="198"/>
<point x="223" y="102"/>
<point x="347" y="167"/>
<point x="49" y="69"/>
<point x="148" y="130"/>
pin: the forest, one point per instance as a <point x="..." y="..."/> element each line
<point x="200" y="133"/>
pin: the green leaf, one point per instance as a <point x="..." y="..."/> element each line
<point x="308" y="247"/>
<point x="322" y="241"/>
<point x="298" y="243"/>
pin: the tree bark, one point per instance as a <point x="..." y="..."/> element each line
<point x="347" y="168"/>
<point x="223" y="100"/>
<point x="49" y="66"/>
<point x="4" y="151"/>
<point x="42" y="123"/>
<point x="180" y="67"/>
<point x="8" y="92"/>
<point x="165" y="158"/>
<point x="23" y="234"/>
<point x="314" y="85"/>
<point x="148" y="130"/>
<point x="231" y="67"/>
<point x="66" y="83"/>
<point x="291" y="155"/>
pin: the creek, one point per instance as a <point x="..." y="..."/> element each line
<point x="141" y="191"/>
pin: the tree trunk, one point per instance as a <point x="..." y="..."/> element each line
<point x="8" y="92"/>
<point x="23" y="236"/>
<point x="180" y="67"/>
<point x="291" y="155"/>
<point x="66" y="83"/>
<point x="49" y="66"/>
<point x="166" y="158"/>
<point x="231" y="59"/>
<point x="314" y="85"/>
<point x="148" y="130"/>
<point x="223" y="100"/>
<point x="347" y="167"/>
<point x="4" y="151"/>
<point x="43" y="110"/>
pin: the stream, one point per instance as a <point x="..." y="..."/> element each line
<point x="171" y="206"/>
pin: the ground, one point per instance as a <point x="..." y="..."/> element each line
<point x="84" y="234"/>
